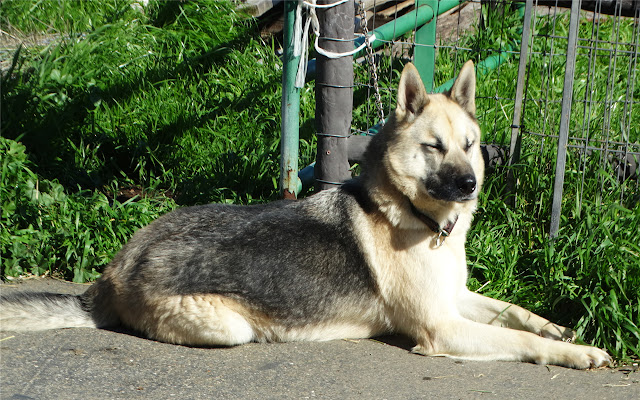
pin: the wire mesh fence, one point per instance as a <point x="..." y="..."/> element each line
<point x="555" y="93"/>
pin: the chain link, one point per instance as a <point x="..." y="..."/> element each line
<point x="370" y="60"/>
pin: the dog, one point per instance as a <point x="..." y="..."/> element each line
<point x="382" y="253"/>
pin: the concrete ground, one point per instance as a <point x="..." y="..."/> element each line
<point x="98" y="364"/>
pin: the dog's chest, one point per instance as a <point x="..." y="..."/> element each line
<point x="414" y="264"/>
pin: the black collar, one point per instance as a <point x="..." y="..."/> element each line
<point x="432" y="224"/>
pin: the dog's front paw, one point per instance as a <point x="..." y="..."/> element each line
<point x="578" y="356"/>
<point x="557" y="332"/>
<point x="591" y="357"/>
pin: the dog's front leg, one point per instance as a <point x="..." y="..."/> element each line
<point x="479" y="308"/>
<point x="461" y="338"/>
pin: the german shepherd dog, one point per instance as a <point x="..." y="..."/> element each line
<point x="383" y="253"/>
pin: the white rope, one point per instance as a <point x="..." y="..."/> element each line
<point x="296" y="38"/>
<point x="331" y="54"/>
<point x="301" y="37"/>
<point x="314" y="5"/>
<point x="304" y="57"/>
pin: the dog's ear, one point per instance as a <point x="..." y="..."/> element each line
<point x="412" y="97"/>
<point x="463" y="91"/>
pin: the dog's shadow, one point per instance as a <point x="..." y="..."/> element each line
<point x="123" y="330"/>
<point x="396" y="340"/>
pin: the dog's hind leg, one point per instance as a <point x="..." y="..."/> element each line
<point x="461" y="338"/>
<point x="486" y="310"/>
<point x="200" y="320"/>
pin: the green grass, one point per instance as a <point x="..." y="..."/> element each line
<point x="588" y="278"/>
<point x="44" y="230"/>
<point x="169" y="93"/>
<point x="180" y="105"/>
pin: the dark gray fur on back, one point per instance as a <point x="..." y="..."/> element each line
<point x="289" y="260"/>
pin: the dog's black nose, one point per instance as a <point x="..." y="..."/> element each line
<point x="466" y="183"/>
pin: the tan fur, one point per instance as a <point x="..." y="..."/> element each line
<point x="421" y="282"/>
<point x="423" y="286"/>
<point x="208" y="320"/>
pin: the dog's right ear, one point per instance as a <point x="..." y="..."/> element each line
<point x="463" y="91"/>
<point x="412" y="97"/>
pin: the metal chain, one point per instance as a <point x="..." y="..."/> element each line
<point x="372" y="65"/>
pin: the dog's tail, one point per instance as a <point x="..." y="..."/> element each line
<point x="40" y="311"/>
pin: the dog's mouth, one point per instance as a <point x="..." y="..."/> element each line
<point x="450" y="197"/>
<point x="459" y="188"/>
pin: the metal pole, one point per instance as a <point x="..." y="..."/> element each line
<point x="410" y="21"/>
<point x="334" y="95"/>
<point x="514" y="149"/>
<point x="424" y="54"/>
<point x="563" y="134"/>
<point x="290" y="110"/>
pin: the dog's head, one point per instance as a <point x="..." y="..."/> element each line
<point x="433" y="147"/>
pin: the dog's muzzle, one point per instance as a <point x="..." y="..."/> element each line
<point x="449" y="186"/>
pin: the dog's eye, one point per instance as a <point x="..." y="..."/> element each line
<point x="468" y="145"/>
<point x="433" y="146"/>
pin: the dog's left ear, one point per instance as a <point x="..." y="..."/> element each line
<point x="412" y="96"/>
<point x="463" y="91"/>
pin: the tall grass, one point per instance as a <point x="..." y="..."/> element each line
<point x="44" y="230"/>
<point x="171" y="92"/>
<point x="180" y="105"/>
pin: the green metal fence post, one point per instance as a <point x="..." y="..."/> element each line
<point x="424" y="57"/>
<point x="289" y="141"/>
